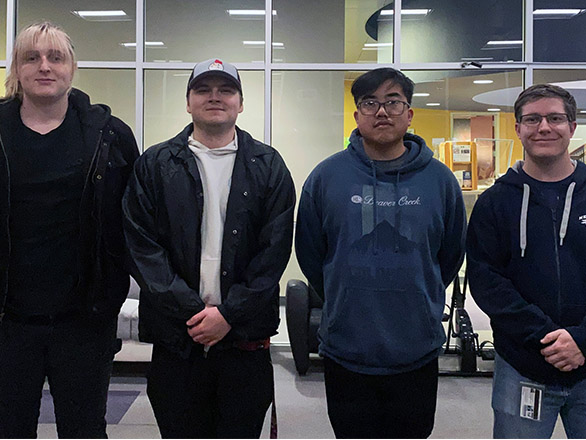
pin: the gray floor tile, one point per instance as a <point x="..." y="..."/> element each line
<point x="463" y="408"/>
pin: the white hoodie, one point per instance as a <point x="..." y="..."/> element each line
<point x="215" y="167"/>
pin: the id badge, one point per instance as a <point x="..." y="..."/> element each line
<point x="531" y="399"/>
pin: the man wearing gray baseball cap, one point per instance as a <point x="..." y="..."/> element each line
<point x="209" y="223"/>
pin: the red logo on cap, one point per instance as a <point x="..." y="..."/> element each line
<point x="216" y="65"/>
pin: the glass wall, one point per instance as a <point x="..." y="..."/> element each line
<point x="114" y="87"/>
<point x="469" y="60"/>
<point x="575" y="82"/>
<point x="464" y="106"/>
<point x="306" y="31"/>
<point x="454" y="30"/>
<point x="101" y="30"/>
<point x="559" y="30"/>
<point x="2" y="31"/>
<point x="180" y="31"/>
<point x="308" y="118"/>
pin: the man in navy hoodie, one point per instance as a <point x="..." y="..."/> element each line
<point x="380" y="234"/>
<point x="527" y="269"/>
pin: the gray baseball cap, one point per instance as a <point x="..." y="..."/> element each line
<point x="214" y="66"/>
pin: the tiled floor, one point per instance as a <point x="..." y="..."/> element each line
<point x="463" y="409"/>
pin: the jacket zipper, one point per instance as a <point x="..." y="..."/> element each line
<point x="92" y="169"/>
<point x="558" y="265"/>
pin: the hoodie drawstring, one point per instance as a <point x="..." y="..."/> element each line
<point x="523" y="225"/>
<point x="566" y="215"/>
<point x="374" y="215"/>
<point x="525" y="207"/>
<point x="397" y="217"/>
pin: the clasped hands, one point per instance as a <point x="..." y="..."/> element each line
<point x="208" y="327"/>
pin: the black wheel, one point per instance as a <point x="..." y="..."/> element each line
<point x="297" y="315"/>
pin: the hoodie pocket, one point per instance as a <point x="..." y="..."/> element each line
<point x="383" y="327"/>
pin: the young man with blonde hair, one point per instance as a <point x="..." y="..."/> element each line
<point x="64" y="164"/>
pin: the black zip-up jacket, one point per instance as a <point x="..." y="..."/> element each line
<point x="103" y="280"/>
<point x="163" y="208"/>
<point x="527" y="269"/>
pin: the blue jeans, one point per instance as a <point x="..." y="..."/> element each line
<point x="568" y="402"/>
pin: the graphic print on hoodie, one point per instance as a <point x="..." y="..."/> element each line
<point x="380" y="245"/>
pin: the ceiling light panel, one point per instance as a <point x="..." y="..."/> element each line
<point x="103" y="15"/>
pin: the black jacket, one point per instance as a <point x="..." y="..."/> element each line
<point x="163" y="208"/>
<point x="103" y="278"/>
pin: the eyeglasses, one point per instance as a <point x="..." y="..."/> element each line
<point x="552" y="119"/>
<point x="370" y="107"/>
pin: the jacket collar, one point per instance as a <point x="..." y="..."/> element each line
<point x="248" y="148"/>
<point x="89" y="114"/>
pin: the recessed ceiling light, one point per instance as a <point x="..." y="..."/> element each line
<point x="540" y="14"/>
<point x="406" y="12"/>
<point x="378" y="44"/>
<point x="493" y="109"/>
<point x="582" y="111"/>
<point x="505" y="43"/>
<point x="420" y="94"/>
<point x="483" y="81"/>
<point x="146" y="43"/>
<point x="261" y="43"/>
<point x="248" y="12"/>
<point x="433" y="104"/>
<point x="477" y="58"/>
<point x="107" y="15"/>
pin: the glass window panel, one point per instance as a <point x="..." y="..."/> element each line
<point x="461" y="30"/>
<point x="574" y="81"/>
<point x="95" y="38"/>
<point x="2" y="79"/>
<point x="3" y="31"/>
<point x="308" y="120"/>
<point x="115" y="88"/>
<point x="469" y="106"/>
<point x="201" y="29"/>
<point x="328" y="31"/>
<point x="559" y="29"/>
<point x="313" y="114"/>
<point x="165" y="112"/>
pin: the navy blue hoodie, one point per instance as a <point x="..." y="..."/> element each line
<point x="381" y="247"/>
<point x="527" y="269"/>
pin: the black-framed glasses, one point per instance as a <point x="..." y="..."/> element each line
<point x="394" y="107"/>
<point x="534" y="119"/>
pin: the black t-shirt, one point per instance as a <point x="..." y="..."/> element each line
<point x="47" y="175"/>
<point x="551" y="192"/>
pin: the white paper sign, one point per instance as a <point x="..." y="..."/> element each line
<point x="461" y="153"/>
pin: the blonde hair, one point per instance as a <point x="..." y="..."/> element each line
<point x="28" y="39"/>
